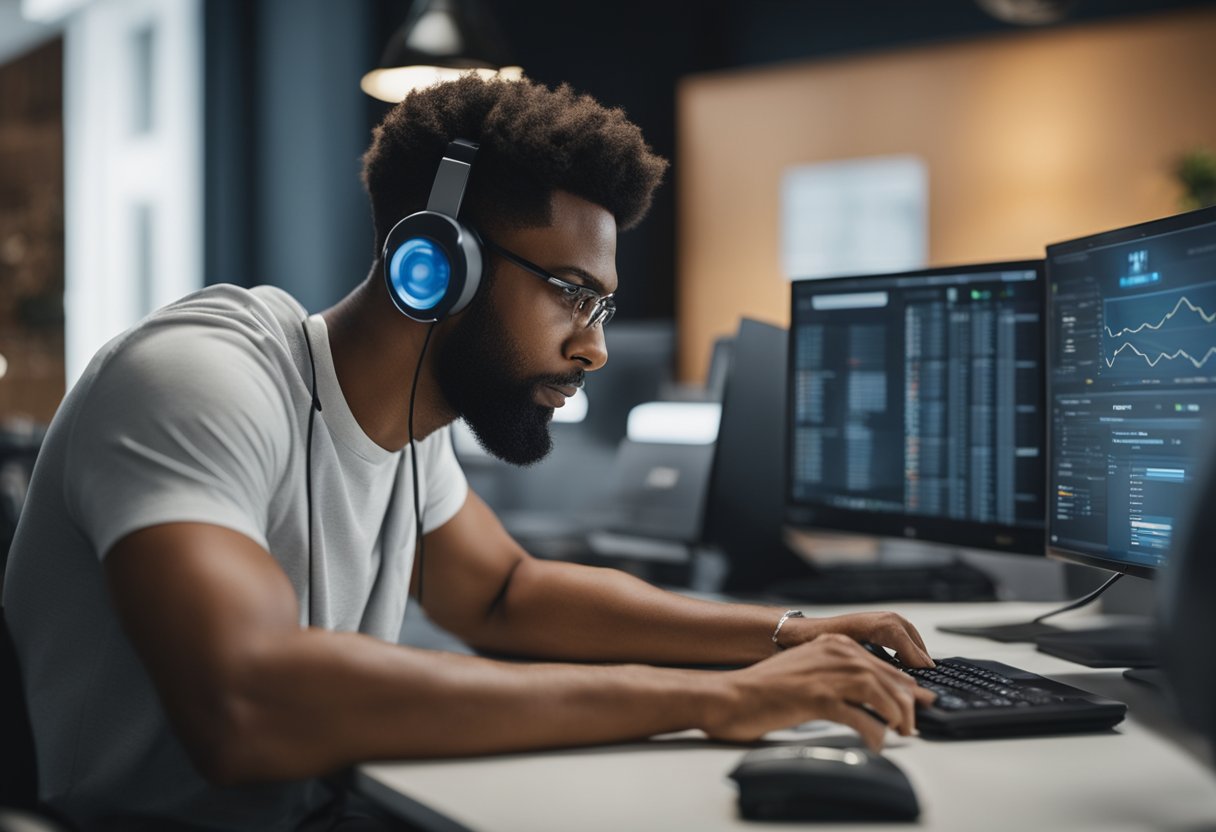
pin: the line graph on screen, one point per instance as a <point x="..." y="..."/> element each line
<point x="1169" y="332"/>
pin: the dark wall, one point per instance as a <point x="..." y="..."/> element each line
<point x="286" y="125"/>
<point x="764" y="31"/>
<point x="627" y="54"/>
<point x="286" y="121"/>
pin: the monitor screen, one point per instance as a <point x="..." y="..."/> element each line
<point x="1131" y="376"/>
<point x="916" y="405"/>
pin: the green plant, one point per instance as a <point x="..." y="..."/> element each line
<point x="1196" y="170"/>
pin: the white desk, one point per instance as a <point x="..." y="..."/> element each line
<point x="1136" y="777"/>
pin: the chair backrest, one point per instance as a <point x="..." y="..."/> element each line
<point x="18" y="452"/>
<point x="18" y="773"/>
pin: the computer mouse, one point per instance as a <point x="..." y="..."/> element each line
<point x="813" y="782"/>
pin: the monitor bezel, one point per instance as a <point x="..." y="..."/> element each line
<point x="1117" y="236"/>
<point x="965" y="534"/>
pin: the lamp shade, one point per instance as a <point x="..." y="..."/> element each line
<point x="440" y="40"/>
<point x="1028" y="12"/>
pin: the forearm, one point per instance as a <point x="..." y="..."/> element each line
<point x="566" y="611"/>
<point x="315" y="701"/>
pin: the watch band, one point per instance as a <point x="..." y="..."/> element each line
<point x="784" y="618"/>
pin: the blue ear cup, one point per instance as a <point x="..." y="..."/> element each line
<point x="432" y="263"/>
<point x="420" y="272"/>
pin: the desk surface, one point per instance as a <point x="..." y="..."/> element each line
<point x="1138" y="776"/>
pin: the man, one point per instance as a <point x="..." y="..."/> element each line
<point x="213" y="563"/>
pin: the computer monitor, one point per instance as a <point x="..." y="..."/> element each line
<point x="1131" y="361"/>
<point x="917" y="406"/>
<point x="743" y="515"/>
<point x="1131" y="357"/>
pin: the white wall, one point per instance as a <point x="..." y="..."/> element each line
<point x="133" y="202"/>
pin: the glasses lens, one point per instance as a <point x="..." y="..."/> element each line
<point x="583" y="312"/>
<point x="601" y="312"/>
<point x="584" y="307"/>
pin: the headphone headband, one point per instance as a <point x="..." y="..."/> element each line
<point x="447" y="191"/>
<point x="432" y="262"/>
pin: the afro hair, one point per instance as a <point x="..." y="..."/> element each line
<point x="534" y="140"/>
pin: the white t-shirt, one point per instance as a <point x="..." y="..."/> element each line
<point x="199" y="413"/>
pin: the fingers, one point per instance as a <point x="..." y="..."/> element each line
<point x="871" y="730"/>
<point x="885" y="689"/>
<point x="909" y="652"/>
<point x="912" y="631"/>
<point x="909" y="647"/>
<point x="832" y="677"/>
<point x="894" y="704"/>
<point x="918" y="695"/>
<point x="885" y="628"/>
<point x="889" y="669"/>
<point x="902" y="688"/>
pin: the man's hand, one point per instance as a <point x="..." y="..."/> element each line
<point x="885" y="628"/>
<point x="832" y="677"/>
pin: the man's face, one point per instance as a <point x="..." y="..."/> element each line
<point x="515" y="354"/>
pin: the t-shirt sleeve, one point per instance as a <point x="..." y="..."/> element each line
<point x="446" y="486"/>
<point x="186" y="424"/>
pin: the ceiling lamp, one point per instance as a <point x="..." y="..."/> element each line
<point x="440" y="41"/>
<point x="1028" y="12"/>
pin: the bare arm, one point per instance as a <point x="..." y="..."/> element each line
<point x="482" y="586"/>
<point x="255" y="697"/>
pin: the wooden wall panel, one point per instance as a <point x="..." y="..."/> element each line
<point x="31" y="235"/>
<point x="1029" y="139"/>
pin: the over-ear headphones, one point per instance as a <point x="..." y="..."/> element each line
<point x="433" y="262"/>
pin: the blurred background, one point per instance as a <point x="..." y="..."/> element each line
<point x="152" y="147"/>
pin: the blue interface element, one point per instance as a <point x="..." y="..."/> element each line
<point x="1132" y="380"/>
<point x="420" y="272"/>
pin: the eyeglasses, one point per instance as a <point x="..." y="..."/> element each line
<point x="587" y="307"/>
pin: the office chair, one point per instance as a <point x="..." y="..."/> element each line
<point x="19" y="808"/>
<point x="18" y="452"/>
<point x="1187" y="609"/>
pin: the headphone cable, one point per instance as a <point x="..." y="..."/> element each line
<point x="313" y="410"/>
<point x="414" y="461"/>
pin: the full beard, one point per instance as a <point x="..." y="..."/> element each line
<point x="480" y="370"/>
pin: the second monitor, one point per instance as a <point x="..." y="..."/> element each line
<point x="916" y="406"/>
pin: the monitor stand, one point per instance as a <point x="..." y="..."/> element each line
<point x="1151" y="676"/>
<point x="1124" y="645"/>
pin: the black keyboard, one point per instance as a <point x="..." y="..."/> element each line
<point x="978" y="698"/>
